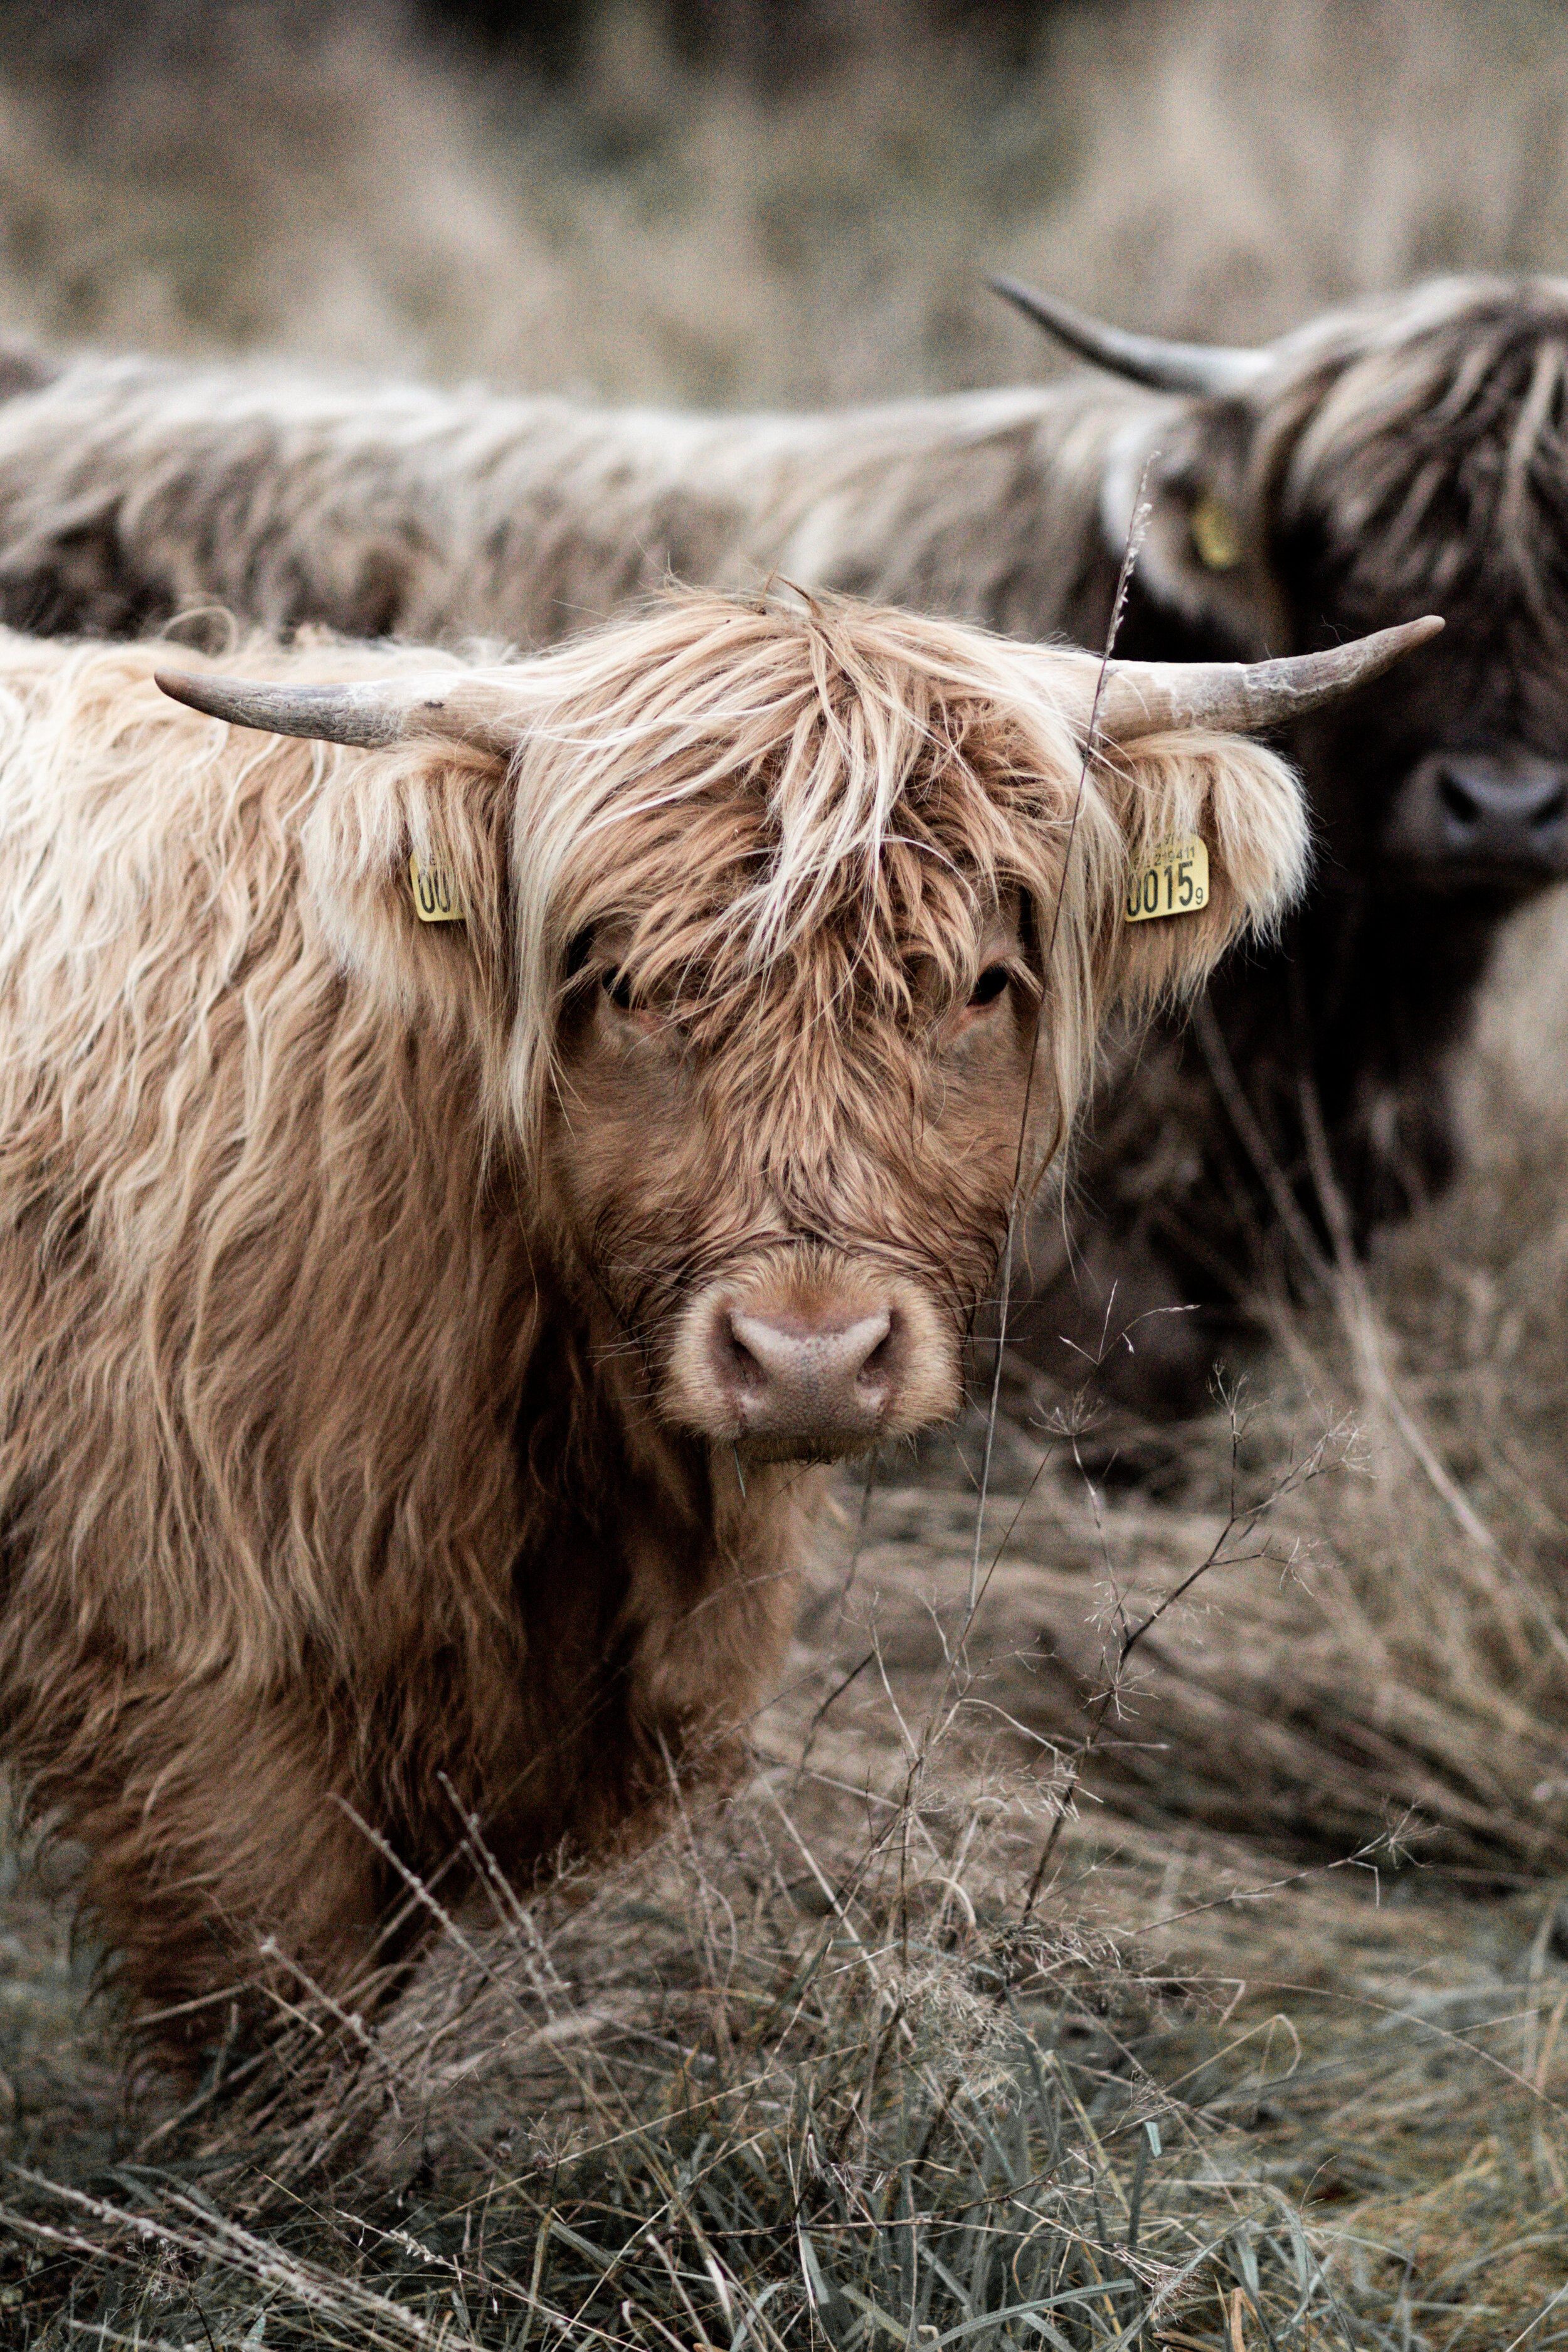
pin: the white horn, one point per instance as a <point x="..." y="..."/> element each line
<point x="1207" y="369"/>
<point x="368" y="711"/>
<point x="1152" y="697"/>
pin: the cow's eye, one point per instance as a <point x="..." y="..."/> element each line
<point x="990" y="984"/>
<point x="618" y="989"/>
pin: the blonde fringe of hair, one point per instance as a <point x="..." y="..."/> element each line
<point x="739" y="772"/>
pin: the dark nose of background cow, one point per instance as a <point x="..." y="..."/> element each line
<point x="807" y="1377"/>
<point x="1506" y="809"/>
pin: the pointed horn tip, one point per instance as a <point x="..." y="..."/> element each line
<point x="1023" y="298"/>
<point x="1381" y="648"/>
<point x="1204" y="371"/>
<point x="237" y="701"/>
<point x="179" y="685"/>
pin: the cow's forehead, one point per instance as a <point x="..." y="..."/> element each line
<point x="1436" y="473"/>
<point x="1458" y="409"/>
<point x="860" y="942"/>
<point x="720" y="897"/>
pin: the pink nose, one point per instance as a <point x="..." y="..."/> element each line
<point x="805" y="1377"/>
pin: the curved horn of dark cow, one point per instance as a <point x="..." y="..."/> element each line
<point x="368" y="711"/>
<point x="1149" y="697"/>
<point x="1207" y="369"/>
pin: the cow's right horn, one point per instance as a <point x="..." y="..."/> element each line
<point x="1148" y="698"/>
<point x="367" y="711"/>
<point x="1210" y="370"/>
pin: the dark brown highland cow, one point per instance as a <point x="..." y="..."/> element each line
<point x="416" y="1336"/>
<point x="1406" y="453"/>
<point x="1411" y="451"/>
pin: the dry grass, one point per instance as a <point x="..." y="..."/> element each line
<point x="311" y="180"/>
<point x="816" y="2070"/>
<point x="806" y="2071"/>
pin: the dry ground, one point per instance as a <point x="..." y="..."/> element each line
<point x="1275" y="2053"/>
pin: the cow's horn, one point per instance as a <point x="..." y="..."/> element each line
<point x="1149" y="697"/>
<point x="1207" y="369"/>
<point x="369" y="711"/>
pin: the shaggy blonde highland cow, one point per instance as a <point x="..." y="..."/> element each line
<point x="417" y="1335"/>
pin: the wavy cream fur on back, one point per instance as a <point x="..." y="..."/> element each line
<point x="325" y="1489"/>
<point x="131" y="489"/>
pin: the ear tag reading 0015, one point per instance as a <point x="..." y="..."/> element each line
<point x="1174" y="882"/>
<point x="436" y="899"/>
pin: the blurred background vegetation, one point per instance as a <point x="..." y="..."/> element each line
<point x="753" y="201"/>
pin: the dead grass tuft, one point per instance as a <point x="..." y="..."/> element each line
<point x="803" y="2072"/>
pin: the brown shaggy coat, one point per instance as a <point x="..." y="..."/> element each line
<point x="357" y="1473"/>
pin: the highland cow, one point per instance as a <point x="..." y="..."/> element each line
<point x="457" y="1183"/>
<point x="1410" y="450"/>
<point x="1406" y="452"/>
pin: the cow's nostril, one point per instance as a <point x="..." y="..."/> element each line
<point x="1552" y="810"/>
<point x="1457" y="801"/>
<point x="736" y="1359"/>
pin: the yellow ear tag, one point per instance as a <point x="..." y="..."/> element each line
<point x="1215" y="535"/>
<point x="436" y="899"/>
<point x="1174" y="882"/>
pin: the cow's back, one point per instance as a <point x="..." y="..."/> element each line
<point x="132" y="491"/>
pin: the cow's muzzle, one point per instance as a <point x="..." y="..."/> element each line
<point x="1481" y="815"/>
<point x="811" y="1369"/>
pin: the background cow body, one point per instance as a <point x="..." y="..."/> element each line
<point x="132" y="489"/>
<point x="415" y="1340"/>
<point x="1379" y="461"/>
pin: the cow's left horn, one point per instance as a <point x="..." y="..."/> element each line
<point x="369" y="711"/>
<point x="1209" y="370"/>
<point x="1148" y="698"/>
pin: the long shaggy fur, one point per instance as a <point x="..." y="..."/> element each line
<point x="1400" y="455"/>
<point x="1410" y="451"/>
<point x="343" y="1262"/>
<point x="132" y="489"/>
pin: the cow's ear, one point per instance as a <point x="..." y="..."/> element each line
<point x="1204" y="556"/>
<point x="407" y="864"/>
<point x="1216" y="845"/>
